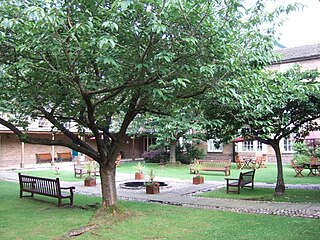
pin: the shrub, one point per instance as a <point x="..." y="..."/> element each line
<point x="301" y="158"/>
<point x="302" y="153"/>
<point x="301" y="148"/>
<point x="156" y="156"/>
<point x="192" y="152"/>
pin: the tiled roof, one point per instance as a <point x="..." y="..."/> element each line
<point x="300" y="53"/>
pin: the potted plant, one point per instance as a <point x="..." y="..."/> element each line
<point x="152" y="187"/>
<point x="90" y="181"/>
<point x="139" y="171"/>
<point x="198" y="179"/>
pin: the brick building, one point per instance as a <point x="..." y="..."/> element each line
<point x="15" y="153"/>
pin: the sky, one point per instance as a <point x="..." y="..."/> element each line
<point x="302" y="27"/>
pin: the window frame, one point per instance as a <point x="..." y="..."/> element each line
<point x="211" y="148"/>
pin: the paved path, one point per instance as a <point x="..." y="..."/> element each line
<point x="183" y="193"/>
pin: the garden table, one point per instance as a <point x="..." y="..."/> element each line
<point x="248" y="161"/>
<point x="313" y="168"/>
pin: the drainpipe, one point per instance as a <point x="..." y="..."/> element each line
<point x="0" y="147"/>
<point x="52" y="152"/>
<point x="22" y="155"/>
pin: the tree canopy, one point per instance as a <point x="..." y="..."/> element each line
<point x="277" y="105"/>
<point x="98" y="63"/>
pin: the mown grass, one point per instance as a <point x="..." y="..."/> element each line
<point x="40" y="218"/>
<point x="267" y="194"/>
<point x="266" y="175"/>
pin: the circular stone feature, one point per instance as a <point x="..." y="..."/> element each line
<point x="139" y="185"/>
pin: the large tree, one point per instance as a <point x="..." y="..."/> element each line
<point x="97" y="63"/>
<point x="268" y="107"/>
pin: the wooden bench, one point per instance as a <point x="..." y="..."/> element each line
<point x="64" y="157"/>
<point x="45" y="186"/>
<point x="81" y="169"/>
<point x="43" y="157"/>
<point x="213" y="165"/>
<point x="244" y="179"/>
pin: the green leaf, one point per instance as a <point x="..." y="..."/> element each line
<point x="106" y="42"/>
<point x="111" y="25"/>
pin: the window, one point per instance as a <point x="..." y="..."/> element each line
<point x="148" y="141"/>
<point x="43" y="122"/>
<point x="251" y="146"/>
<point x="67" y="125"/>
<point x="213" y="146"/>
<point x="287" y="144"/>
<point x="259" y="146"/>
<point x="247" y="146"/>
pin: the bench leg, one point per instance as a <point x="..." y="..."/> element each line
<point x="59" y="202"/>
<point x="227" y="185"/>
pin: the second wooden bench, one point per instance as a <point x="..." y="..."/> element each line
<point x="245" y="180"/>
<point x="213" y="165"/>
<point x="81" y="169"/>
<point x="43" y="157"/>
<point x="64" y="157"/>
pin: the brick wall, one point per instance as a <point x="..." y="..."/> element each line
<point x="226" y="154"/>
<point x="11" y="149"/>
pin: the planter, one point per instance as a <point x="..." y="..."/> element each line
<point x="138" y="176"/>
<point x="90" y="182"/>
<point x="198" y="180"/>
<point x="152" y="189"/>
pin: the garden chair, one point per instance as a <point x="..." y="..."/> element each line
<point x="239" y="162"/>
<point x="297" y="168"/>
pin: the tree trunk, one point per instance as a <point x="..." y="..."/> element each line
<point x="280" y="186"/>
<point x="173" y="147"/>
<point x="108" y="186"/>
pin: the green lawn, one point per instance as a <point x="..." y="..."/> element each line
<point x="266" y="194"/>
<point x="267" y="175"/>
<point x="39" y="218"/>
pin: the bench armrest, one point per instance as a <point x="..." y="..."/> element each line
<point x="71" y="188"/>
<point x="231" y="178"/>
